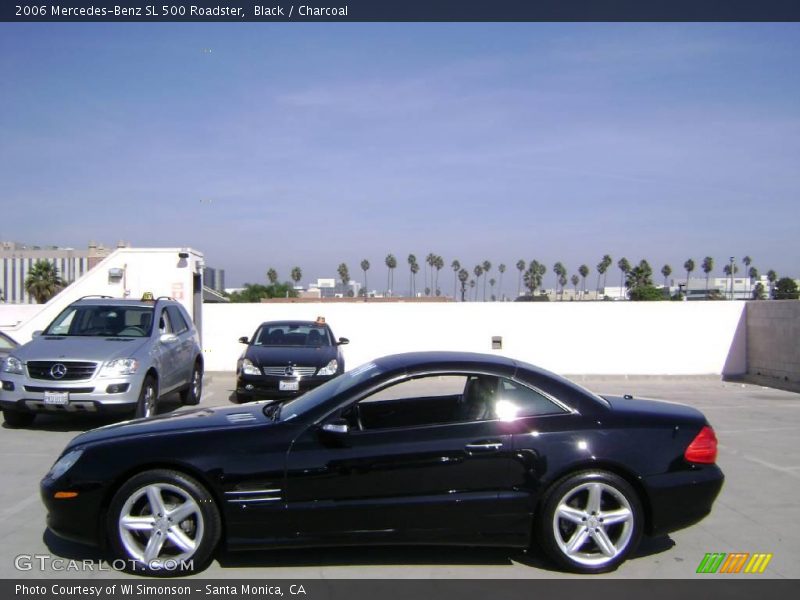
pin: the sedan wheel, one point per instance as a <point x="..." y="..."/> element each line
<point x="163" y="523"/>
<point x="591" y="522"/>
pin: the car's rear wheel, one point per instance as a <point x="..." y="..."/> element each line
<point x="17" y="418"/>
<point x="148" y="398"/>
<point x="163" y="523"/>
<point x="191" y="395"/>
<point x="590" y="522"/>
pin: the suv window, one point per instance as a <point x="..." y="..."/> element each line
<point x="164" y="324"/>
<point x="102" y="321"/>
<point x="176" y="319"/>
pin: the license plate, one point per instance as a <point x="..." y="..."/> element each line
<point x="56" y="398"/>
<point x="288" y="386"/>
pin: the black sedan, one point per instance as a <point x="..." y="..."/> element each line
<point x="284" y="359"/>
<point x="424" y="448"/>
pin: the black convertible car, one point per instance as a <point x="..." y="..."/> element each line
<point x="423" y="448"/>
<point x="284" y="359"/>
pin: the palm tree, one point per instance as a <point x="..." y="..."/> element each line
<point x="689" y="267"/>
<point x="562" y="281"/>
<point x="601" y="270"/>
<point x="520" y="268"/>
<point x="365" y="268"/>
<point x="472" y="285"/>
<point x="486" y="268"/>
<point x="747" y="262"/>
<point x="463" y="275"/>
<point x="561" y="273"/>
<point x="533" y="277"/>
<point x="753" y="273"/>
<point x="438" y="264"/>
<point x="456" y="266"/>
<point x="501" y="269"/>
<point x="43" y="281"/>
<point x="707" y="266"/>
<point x="492" y="297"/>
<point x="606" y="262"/>
<point x="772" y="277"/>
<point x="272" y="276"/>
<point x="430" y="260"/>
<point x="666" y="271"/>
<point x="391" y="264"/>
<point x="624" y="266"/>
<point x="584" y="271"/>
<point x="344" y="275"/>
<point x="297" y="275"/>
<point x="414" y="271"/>
<point x="412" y="260"/>
<point x="575" y="280"/>
<point x="730" y="270"/>
<point x="478" y="270"/>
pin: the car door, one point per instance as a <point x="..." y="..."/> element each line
<point x="185" y="346"/>
<point x="425" y="468"/>
<point x="168" y="353"/>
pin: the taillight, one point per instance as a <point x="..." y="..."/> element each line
<point x="703" y="448"/>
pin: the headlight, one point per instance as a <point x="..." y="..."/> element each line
<point x="329" y="369"/>
<point x="13" y="365"/>
<point x="64" y="464"/>
<point x="248" y="368"/>
<point x="120" y="366"/>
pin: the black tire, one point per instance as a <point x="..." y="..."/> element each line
<point x="17" y="418"/>
<point x="191" y="395"/>
<point x="198" y="529"/>
<point x="148" y="398"/>
<point x="583" y="538"/>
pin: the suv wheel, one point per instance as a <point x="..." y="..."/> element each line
<point x="148" y="398"/>
<point x="191" y="395"/>
<point x="16" y="418"/>
<point x="163" y="523"/>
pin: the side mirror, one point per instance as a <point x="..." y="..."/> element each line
<point x="244" y="340"/>
<point x="334" y="433"/>
<point x="36" y="333"/>
<point x="337" y="427"/>
<point x="168" y="338"/>
<point x="343" y="341"/>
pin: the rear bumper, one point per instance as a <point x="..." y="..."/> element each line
<point x="681" y="499"/>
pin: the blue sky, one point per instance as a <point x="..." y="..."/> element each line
<point x="274" y="145"/>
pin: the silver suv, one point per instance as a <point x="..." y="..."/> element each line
<point x="104" y="355"/>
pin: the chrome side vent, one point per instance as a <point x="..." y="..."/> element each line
<point x="236" y="418"/>
<point x="244" y="497"/>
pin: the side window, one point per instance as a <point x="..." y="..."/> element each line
<point x="176" y="318"/>
<point x="164" y="325"/>
<point x="516" y="400"/>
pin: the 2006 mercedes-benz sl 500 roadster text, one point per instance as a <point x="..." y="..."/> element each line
<point x="424" y="448"/>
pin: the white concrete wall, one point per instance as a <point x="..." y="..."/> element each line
<point x="620" y="338"/>
<point x="156" y="270"/>
<point x="773" y="352"/>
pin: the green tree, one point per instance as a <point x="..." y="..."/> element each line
<point x="533" y="278"/>
<point x="707" y="266"/>
<point x="640" y="283"/>
<point x="688" y="266"/>
<point x="584" y="271"/>
<point x="463" y="276"/>
<point x="478" y="270"/>
<point x="575" y="281"/>
<point x="429" y="260"/>
<point x="520" y="268"/>
<point x="414" y="271"/>
<point x="456" y="266"/>
<point x="272" y="276"/>
<point x="606" y="262"/>
<point x="43" y="281"/>
<point x="747" y="261"/>
<point x="772" y="277"/>
<point x="752" y="274"/>
<point x="730" y="270"/>
<point x="255" y="292"/>
<point x="759" y="293"/>
<point x="492" y="283"/>
<point x="624" y="266"/>
<point x="438" y="264"/>
<point x="297" y="275"/>
<point x="786" y="289"/>
<point x="391" y="265"/>
<point x="487" y="266"/>
<point x="561" y="275"/>
<point x="344" y="275"/>
<point x="365" y="268"/>
<point x="666" y="271"/>
<point x="501" y="268"/>
<point x="412" y="260"/>
<point x="562" y="281"/>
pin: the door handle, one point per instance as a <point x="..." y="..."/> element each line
<point x="483" y="447"/>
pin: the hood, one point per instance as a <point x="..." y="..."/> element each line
<point x="278" y="356"/>
<point x="52" y="347"/>
<point x="638" y="407"/>
<point x="198" y="419"/>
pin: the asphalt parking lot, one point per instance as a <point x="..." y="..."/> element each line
<point x="757" y="511"/>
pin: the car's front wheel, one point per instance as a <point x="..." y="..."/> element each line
<point x="191" y="395"/>
<point x="590" y="522"/>
<point x="148" y="398"/>
<point x="163" y="523"/>
<point x="16" y="418"/>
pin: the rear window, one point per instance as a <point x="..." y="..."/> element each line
<point x="103" y="321"/>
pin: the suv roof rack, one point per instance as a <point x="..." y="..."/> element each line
<point x="95" y="296"/>
<point x="164" y="298"/>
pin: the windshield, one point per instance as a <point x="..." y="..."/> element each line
<point x="292" y="334"/>
<point x="103" y="321"/>
<point x="321" y="394"/>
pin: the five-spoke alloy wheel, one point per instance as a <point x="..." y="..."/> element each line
<point x="591" y="521"/>
<point x="163" y="523"/>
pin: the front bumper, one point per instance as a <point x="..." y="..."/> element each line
<point x="681" y="499"/>
<point x="262" y="386"/>
<point x="25" y="394"/>
<point x="76" y="519"/>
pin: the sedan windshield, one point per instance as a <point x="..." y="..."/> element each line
<point x="103" y="321"/>
<point x="292" y="334"/>
<point x="321" y="394"/>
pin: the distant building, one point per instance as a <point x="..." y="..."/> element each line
<point x="16" y="260"/>
<point x="214" y="278"/>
